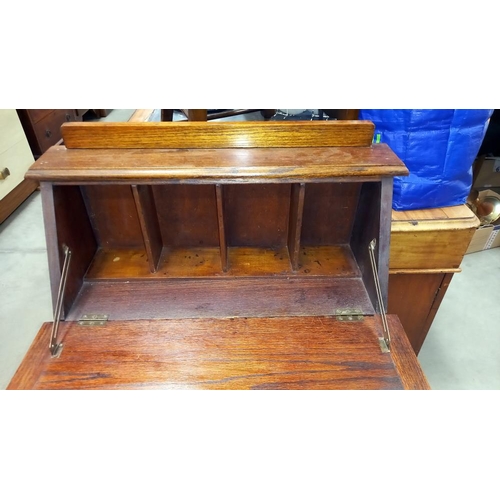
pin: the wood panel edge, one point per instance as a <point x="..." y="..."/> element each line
<point x="34" y="362"/>
<point x="16" y="197"/>
<point x="404" y="357"/>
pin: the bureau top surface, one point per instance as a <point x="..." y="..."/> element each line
<point x="434" y="219"/>
<point x="195" y="152"/>
<point x="229" y="165"/>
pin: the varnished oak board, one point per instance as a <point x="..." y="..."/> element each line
<point x="219" y="298"/>
<point x="217" y="135"/>
<point x="236" y="165"/>
<point x="243" y="353"/>
<point x="434" y="239"/>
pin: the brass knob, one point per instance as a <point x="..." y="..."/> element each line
<point x="4" y="173"/>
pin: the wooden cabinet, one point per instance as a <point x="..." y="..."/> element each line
<point x="43" y="126"/>
<point x="15" y="159"/>
<point x="219" y="255"/>
<point x="427" y="248"/>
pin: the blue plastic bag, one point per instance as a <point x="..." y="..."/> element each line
<point x="437" y="145"/>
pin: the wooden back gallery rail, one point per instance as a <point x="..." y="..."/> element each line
<point x="224" y="255"/>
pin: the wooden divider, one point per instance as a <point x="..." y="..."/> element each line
<point x="222" y="229"/>
<point x="295" y="226"/>
<point x="148" y="218"/>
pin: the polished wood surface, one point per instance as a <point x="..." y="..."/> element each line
<point x="431" y="239"/>
<point x="190" y="262"/>
<point x="434" y="218"/>
<point x="210" y="166"/>
<point x="411" y="298"/>
<point x="243" y="353"/>
<point x="221" y="298"/>
<point x="223" y="245"/>
<point x="193" y="135"/>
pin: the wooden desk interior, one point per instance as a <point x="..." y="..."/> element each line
<point x="258" y="230"/>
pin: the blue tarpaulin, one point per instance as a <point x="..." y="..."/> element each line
<point x="438" y="146"/>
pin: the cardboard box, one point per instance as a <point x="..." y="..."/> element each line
<point x="486" y="172"/>
<point x="487" y="236"/>
<point x="484" y="238"/>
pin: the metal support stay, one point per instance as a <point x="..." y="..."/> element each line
<point x="385" y="341"/>
<point x="55" y="348"/>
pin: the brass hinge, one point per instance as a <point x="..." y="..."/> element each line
<point x="349" y="314"/>
<point x="93" y="320"/>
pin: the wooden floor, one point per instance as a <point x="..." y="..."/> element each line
<point x="243" y="353"/>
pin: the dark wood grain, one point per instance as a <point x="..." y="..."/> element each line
<point x="405" y="360"/>
<point x="373" y="221"/>
<point x="329" y="212"/>
<point x="257" y="215"/>
<point x="113" y="214"/>
<point x="366" y="228"/>
<point x="439" y="296"/>
<point x="209" y="298"/>
<point x="166" y="115"/>
<point x="245" y="353"/>
<point x="63" y="212"/>
<point x="187" y="215"/>
<point x="415" y="298"/>
<point x="210" y="166"/>
<point x="342" y="114"/>
<point x="196" y="115"/>
<point x="217" y="134"/>
<point x="148" y="218"/>
<point x="42" y="126"/>
<point x="75" y="231"/>
<point x="295" y="223"/>
<point x="35" y="115"/>
<point x="222" y="226"/>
